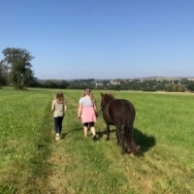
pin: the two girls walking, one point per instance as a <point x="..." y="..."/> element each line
<point x="87" y="113"/>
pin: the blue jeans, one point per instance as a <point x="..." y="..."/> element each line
<point x="58" y="124"/>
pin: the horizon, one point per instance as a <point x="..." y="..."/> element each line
<point x="148" y="77"/>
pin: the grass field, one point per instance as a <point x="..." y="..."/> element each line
<point x="31" y="162"/>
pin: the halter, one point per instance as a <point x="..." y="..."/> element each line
<point x="104" y="107"/>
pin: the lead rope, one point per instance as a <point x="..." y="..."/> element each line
<point x="99" y="111"/>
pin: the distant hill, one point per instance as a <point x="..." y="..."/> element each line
<point x="141" y="78"/>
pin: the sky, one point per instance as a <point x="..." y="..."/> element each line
<point x="101" y="39"/>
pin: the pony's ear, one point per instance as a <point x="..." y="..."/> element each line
<point x="102" y="94"/>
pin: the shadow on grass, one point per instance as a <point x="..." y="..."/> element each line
<point x="100" y="134"/>
<point x="74" y="130"/>
<point x="144" y="141"/>
<point x="63" y="135"/>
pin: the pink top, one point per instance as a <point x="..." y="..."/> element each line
<point x="88" y="113"/>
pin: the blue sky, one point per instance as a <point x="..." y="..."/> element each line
<point x="101" y="39"/>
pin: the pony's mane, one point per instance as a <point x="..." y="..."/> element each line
<point x="109" y="96"/>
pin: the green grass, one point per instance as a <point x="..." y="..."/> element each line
<point x="32" y="162"/>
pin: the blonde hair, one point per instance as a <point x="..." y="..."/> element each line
<point x="89" y="93"/>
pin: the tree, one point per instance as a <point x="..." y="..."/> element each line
<point x="191" y="87"/>
<point x="168" y="88"/>
<point x="179" y="88"/>
<point x="18" y="61"/>
<point x="3" y="73"/>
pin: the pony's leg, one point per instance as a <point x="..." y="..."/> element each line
<point x="108" y="131"/>
<point x="117" y="135"/>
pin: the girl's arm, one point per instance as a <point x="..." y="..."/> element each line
<point x="65" y="106"/>
<point x="95" y="107"/>
<point x="53" y="106"/>
<point x="79" y="112"/>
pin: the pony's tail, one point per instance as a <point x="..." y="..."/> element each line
<point x="128" y="132"/>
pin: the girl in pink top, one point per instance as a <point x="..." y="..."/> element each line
<point x="87" y="111"/>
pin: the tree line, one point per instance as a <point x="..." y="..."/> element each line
<point x="179" y="85"/>
<point x="16" y="71"/>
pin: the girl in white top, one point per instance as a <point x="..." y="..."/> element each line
<point x="87" y="111"/>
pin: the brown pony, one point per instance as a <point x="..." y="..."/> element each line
<point x="121" y="114"/>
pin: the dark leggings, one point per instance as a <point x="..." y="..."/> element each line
<point x="58" y="124"/>
<point x="89" y="124"/>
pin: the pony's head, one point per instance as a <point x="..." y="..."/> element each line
<point x="106" y="99"/>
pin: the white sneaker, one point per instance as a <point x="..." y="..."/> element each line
<point x="57" y="138"/>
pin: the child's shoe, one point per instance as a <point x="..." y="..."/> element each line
<point x="94" y="138"/>
<point x="57" y="137"/>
